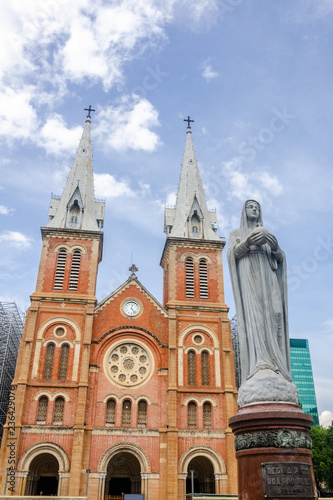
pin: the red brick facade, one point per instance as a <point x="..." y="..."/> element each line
<point x="138" y="399"/>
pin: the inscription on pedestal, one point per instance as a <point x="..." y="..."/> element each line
<point x="287" y="480"/>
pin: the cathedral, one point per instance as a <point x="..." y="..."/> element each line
<point x="124" y="396"/>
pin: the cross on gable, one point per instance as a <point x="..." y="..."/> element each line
<point x="133" y="270"/>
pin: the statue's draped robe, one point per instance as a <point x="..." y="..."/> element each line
<point x="259" y="282"/>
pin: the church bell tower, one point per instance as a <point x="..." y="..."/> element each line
<point x="53" y="364"/>
<point x="202" y="391"/>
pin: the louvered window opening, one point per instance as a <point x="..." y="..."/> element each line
<point x="63" y="362"/>
<point x="203" y="276"/>
<point x="205" y="368"/>
<point x="49" y="361"/>
<point x="59" y="406"/>
<point x="191" y="368"/>
<point x="110" y="412"/>
<point x="207" y="415"/>
<point x="142" y="414"/>
<point x="42" y="410"/>
<point x="189" y="272"/>
<point x="126" y="416"/>
<point x="60" y="271"/>
<point x="192" y="415"/>
<point x="75" y="270"/>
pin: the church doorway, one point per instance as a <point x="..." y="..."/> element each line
<point x="43" y="475"/>
<point x="123" y="476"/>
<point x="204" y="479"/>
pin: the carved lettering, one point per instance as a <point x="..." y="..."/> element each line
<point x="292" y="480"/>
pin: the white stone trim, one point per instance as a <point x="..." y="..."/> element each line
<point x="202" y="451"/>
<point x="59" y="319"/>
<point x="44" y="447"/>
<point x="131" y="448"/>
<point x="77" y="349"/>
<point x="52" y="396"/>
<point x="199" y="401"/>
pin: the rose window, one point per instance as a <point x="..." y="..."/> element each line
<point x="129" y="364"/>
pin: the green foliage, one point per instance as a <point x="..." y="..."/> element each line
<point x="322" y="448"/>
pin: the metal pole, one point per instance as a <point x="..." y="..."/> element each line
<point x="4" y="492"/>
<point x="192" y="482"/>
<point x="88" y="472"/>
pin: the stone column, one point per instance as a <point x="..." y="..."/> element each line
<point x="273" y="451"/>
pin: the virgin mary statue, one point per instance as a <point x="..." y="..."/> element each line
<point x="258" y="275"/>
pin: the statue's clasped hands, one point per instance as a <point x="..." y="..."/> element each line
<point x="260" y="236"/>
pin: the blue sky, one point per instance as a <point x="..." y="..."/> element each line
<point x="256" y="77"/>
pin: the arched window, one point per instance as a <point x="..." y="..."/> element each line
<point x="58" y="415"/>
<point x="191" y="367"/>
<point x="142" y="413"/>
<point x="75" y="269"/>
<point x="203" y="277"/>
<point x="110" y="412"/>
<point x="63" y="362"/>
<point x="207" y="415"/>
<point x="126" y="416"/>
<point x="49" y="361"/>
<point x="60" y="271"/>
<point x="205" y="367"/>
<point x="42" y="410"/>
<point x="189" y="276"/>
<point x="192" y="415"/>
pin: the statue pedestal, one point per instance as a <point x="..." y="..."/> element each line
<point x="273" y="451"/>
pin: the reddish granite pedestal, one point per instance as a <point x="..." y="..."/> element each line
<point x="273" y="451"/>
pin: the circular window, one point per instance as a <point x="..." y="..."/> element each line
<point x="129" y="364"/>
<point x="198" y="339"/>
<point x="59" y="331"/>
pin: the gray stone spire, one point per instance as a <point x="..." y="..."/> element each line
<point x="190" y="217"/>
<point x="77" y="208"/>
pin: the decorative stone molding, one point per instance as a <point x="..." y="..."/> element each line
<point x="282" y="438"/>
<point x="37" y="429"/>
<point x="129" y="328"/>
<point x="201" y="434"/>
<point x="115" y="431"/>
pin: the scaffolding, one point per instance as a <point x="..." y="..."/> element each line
<point x="235" y="346"/>
<point x="11" y="330"/>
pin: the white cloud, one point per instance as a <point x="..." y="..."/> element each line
<point x="326" y="418"/>
<point x="208" y="73"/>
<point x="171" y="199"/>
<point x="106" y="186"/>
<point x="45" y="46"/>
<point x="6" y="211"/>
<point x="127" y="125"/>
<point x="15" y="239"/>
<point x="56" y="138"/>
<point x="18" y="117"/>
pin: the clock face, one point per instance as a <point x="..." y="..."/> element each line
<point x="131" y="308"/>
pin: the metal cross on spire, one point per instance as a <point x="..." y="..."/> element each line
<point x="188" y="120"/>
<point x="89" y="111"/>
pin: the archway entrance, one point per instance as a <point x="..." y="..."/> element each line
<point x="123" y="475"/>
<point x="204" y="479"/>
<point x="43" y="475"/>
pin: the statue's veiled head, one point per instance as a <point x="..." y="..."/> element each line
<point x="251" y="213"/>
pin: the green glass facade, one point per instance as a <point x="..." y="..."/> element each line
<point x="301" y="372"/>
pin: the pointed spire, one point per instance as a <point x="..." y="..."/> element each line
<point x="190" y="218"/>
<point x="77" y="208"/>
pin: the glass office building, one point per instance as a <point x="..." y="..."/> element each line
<point x="301" y="372"/>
